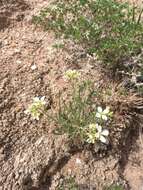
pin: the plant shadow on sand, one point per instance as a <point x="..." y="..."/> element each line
<point x="127" y="147"/>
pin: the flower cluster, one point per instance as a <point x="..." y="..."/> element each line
<point x="95" y="131"/>
<point x="103" y="114"/>
<point x="36" y="108"/>
<point x="71" y="75"/>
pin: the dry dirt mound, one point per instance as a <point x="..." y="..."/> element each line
<point x="30" y="156"/>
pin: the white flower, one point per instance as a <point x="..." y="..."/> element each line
<point x="36" y="107"/>
<point x="103" y="114"/>
<point x="71" y="75"/>
<point x="40" y="100"/>
<point x="101" y="134"/>
<point x="96" y="132"/>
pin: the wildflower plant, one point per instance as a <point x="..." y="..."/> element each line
<point x="79" y="117"/>
<point x="36" y="108"/>
<point x="111" y="29"/>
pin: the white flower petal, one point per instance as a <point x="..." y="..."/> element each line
<point x="88" y="140"/>
<point x="97" y="135"/>
<point x="36" y="99"/>
<point x="26" y="111"/>
<point x="105" y="132"/>
<point x="106" y="111"/>
<point x="103" y="139"/>
<point x="98" y="115"/>
<point x="99" y="128"/>
<point x="99" y="109"/>
<point x="37" y="118"/>
<point x="104" y="117"/>
<point x="42" y="98"/>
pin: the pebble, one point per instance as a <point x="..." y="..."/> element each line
<point x="78" y="161"/>
<point x="17" y="50"/>
<point x="18" y="62"/>
<point x="33" y="67"/>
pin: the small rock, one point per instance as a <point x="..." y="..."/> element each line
<point x="78" y="161"/>
<point x="18" y="62"/>
<point x="17" y="51"/>
<point x="33" y="67"/>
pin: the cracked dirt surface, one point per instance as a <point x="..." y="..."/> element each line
<point x="30" y="156"/>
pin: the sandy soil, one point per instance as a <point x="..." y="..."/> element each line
<point x="30" y="156"/>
